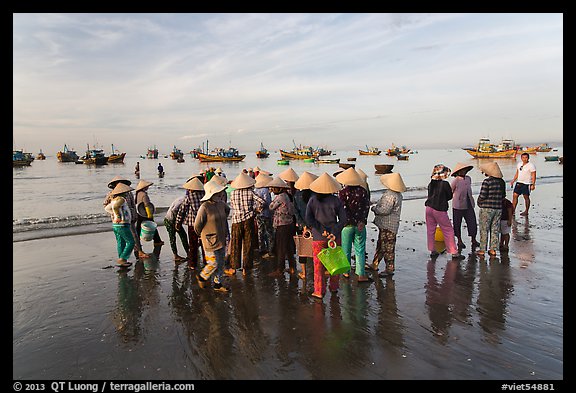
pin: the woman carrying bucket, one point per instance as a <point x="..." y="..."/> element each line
<point x="121" y="218"/>
<point x="326" y="217"/>
<point x="145" y="209"/>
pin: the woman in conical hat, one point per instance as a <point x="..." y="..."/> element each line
<point x="245" y="204"/>
<point x="301" y="198"/>
<point x="463" y="205"/>
<point x="186" y="214"/>
<point x="492" y="192"/>
<point x="326" y="217"/>
<point x="357" y="206"/>
<point x="439" y="193"/>
<point x="121" y="219"/>
<point x="282" y="208"/>
<point x="145" y="209"/>
<point x="211" y="224"/>
<point x="387" y="219"/>
<point x="290" y="177"/>
<point x="264" y="217"/>
<point x="131" y="202"/>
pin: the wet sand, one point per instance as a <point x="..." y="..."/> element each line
<point x="492" y="319"/>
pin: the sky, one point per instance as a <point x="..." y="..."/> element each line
<point x="340" y="81"/>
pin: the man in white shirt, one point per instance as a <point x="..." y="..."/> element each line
<point x="526" y="176"/>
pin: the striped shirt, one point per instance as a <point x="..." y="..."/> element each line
<point x="244" y="203"/>
<point x="188" y="209"/>
<point x="492" y="192"/>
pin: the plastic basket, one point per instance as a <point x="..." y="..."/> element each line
<point x="334" y="259"/>
<point x="304" y="246"/>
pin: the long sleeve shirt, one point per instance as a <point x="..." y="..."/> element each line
<point x="462" y="198"/>
<point x="173" y="209"/>
<point x="264" y="193"/>
<point x="211" y="224"/>
<point x="387" y="211"/>
<point x="300" y="208"/>
<point x="283" y="209"/>
<point x="326" y="214"/>
<point x="356" y="203"/>
<point x="439" y="193"/>
<point x="188" y="209"/>
<point x="244" y="204"/>
<point x="492" y="191"/>
<point x="129" y="196"/>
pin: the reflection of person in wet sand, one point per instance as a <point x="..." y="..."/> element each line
<point x="439" y="298"/>
<point x="128" y="310"/>
<point x="524" y="249"/>
<point x="494" y="289"/>
<point x="389" y="326"/>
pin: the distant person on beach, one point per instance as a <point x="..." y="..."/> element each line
<point x="209" y="174"/>
<point x="354" y="197"/>
<point x="211" y="224"/>
<point x="301" y="198"/>
<point x="525" y="179"/>
<point x="264" y="217"/>
<point x="326" y="216"/>
<point x="169" y="224"/>
<point x="137" y="169"/>
<point x="387" y="219"/>
<point x="160" y="169"/>
<point x="145" y="209"/>
<point x="138" y="253"/>
<point x="219" y="172"/>
<point x="283" y="222"/>
<point x="245" y="204"/>
<point x="439" y="193"/>
<point x="121" y="219"/>
<point x="492" y="191"/>
<point x="506" y="224"/>
<point x="186" y="215"/>
<point x="463" y="205"/>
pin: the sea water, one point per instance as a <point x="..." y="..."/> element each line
<point x="52" y="198"/>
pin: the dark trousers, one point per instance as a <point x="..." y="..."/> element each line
<point x="193" y="244"/>
<point x="285" y="247"/>
<point x="470" y="218"/>
<point x="242" y="239"/>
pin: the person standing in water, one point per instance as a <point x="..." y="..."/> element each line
<point x="525" y="179"/>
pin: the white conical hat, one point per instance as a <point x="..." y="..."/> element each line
<point x="289" y="175"/>
<point x="193" y="184"/>
<point x="243" y="180"/>
<point x="349" y="177"/>
<point x="120" y="189"/>
<point x="212" y="187"/>
<point x="492" y="169"/>
<point x="118" y="179"/>
<point x="220" y="179"/>
<point x="325" y="184"/>
<point x="262" y="180"/>
<point x="393" y="181"/>
<point x="143" y="184"/>
<point x="278" y="183"/>
<point x="304" y="181"/>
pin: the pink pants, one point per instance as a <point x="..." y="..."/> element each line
<point x="319" y="269"/>
<point x="433" y="218"/>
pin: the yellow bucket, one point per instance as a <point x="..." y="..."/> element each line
<point x="438" y="236"/>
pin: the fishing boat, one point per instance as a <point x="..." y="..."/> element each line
<point x="263" y="152"/>
<point x="309" y="160"/>
<point x="67" y="155"/>
<point x="370" y="151"/>
<point x="94" y="156"/>
<point x="395" y="150"/>
<point x="543" y="148"/>
<point x="40" y="156"/>
<point x="326" y="161"/>
<point x="176" y="153"/>
<point x="486" y="149"/>
<point x="152" y="152"/>
<point x="351" y="158"/>
<point x="323" y="152"/>
<point x="403" y="157"/>
<point x="116" y="156"/>
<point x="19" y="158"/>
<point x="222" y="155"/>
<point x="383" y="168"/>
<point x="286" y="155"/>
<point x="551" y="158"/>
<point x="346" y="165"/>
<point x="283" y="162"/>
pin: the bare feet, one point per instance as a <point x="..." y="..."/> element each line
<point x="524" y="213"/>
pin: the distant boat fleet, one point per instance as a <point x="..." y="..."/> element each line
<point x="507" y="148"/>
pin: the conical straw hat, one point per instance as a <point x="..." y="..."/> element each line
<point x="289" y="175"/>
<point x="220" y="179"/>
<point x="262" y="180"/>
<point x="460" y="167"/>
<point x="278" y="183"/>
<point x="304" y="181"/>
<point x="212" y="187"/>
<point x="120" y="189"/>
<point x="256" y="169"/>
<point x="194" y="185"/>
<point x="349" y="177"/>
<point x="393" y="181"/>
<point x="143" y="184"/>
<point x="325" y="184"/>
<point x="118" y="179"/>
<point x="492" y="169"/>
<point x="243" y="181"/>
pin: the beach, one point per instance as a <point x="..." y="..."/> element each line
<point x="75" y="317"/>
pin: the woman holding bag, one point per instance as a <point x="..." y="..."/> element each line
<point x="326" y="217"/>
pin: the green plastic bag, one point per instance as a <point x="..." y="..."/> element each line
<point x="334" y="259"/>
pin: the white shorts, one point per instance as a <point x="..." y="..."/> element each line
<point x="504" y="227"/>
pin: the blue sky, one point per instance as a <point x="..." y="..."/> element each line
<point x="341" y="81"/>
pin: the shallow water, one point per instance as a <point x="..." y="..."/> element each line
<point x="73" y="318"/>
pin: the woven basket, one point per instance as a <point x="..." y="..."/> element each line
<point x="304" y="245"/>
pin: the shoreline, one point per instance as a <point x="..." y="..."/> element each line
<point x="477" y="319"/>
